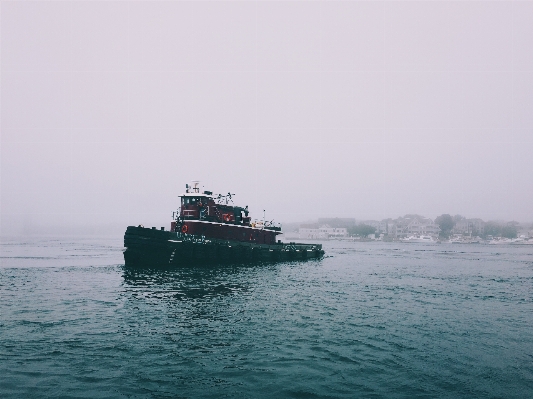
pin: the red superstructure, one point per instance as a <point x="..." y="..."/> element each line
<point x="206" y="215"/>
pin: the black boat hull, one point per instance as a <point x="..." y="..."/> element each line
<point x="156" y="247"/>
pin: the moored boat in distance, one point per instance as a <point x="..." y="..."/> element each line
<point x="208" y="228"/>
<point x="421" y="238"/>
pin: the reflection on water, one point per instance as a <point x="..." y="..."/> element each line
<point x="190" y="282"/>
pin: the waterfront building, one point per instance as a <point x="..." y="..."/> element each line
<point x="307" y="231"/>
<point x="337" y="222"/>
<point x="469" y="227"/>
<point x="414" y="225"/>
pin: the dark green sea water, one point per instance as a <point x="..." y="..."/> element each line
<point x="371" y="320"/>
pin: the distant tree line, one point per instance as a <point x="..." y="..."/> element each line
<point x="495" y="229"/>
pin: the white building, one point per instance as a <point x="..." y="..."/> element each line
<point x="322" y="232"/>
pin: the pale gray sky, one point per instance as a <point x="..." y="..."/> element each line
<point x="305" y="109"/>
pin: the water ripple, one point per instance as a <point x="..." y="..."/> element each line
<point x="371" y="320"/>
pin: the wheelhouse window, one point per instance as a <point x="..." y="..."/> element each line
<point x="193" y="200"/>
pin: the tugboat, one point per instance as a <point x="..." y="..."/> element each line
<point x="208" y="228"/>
